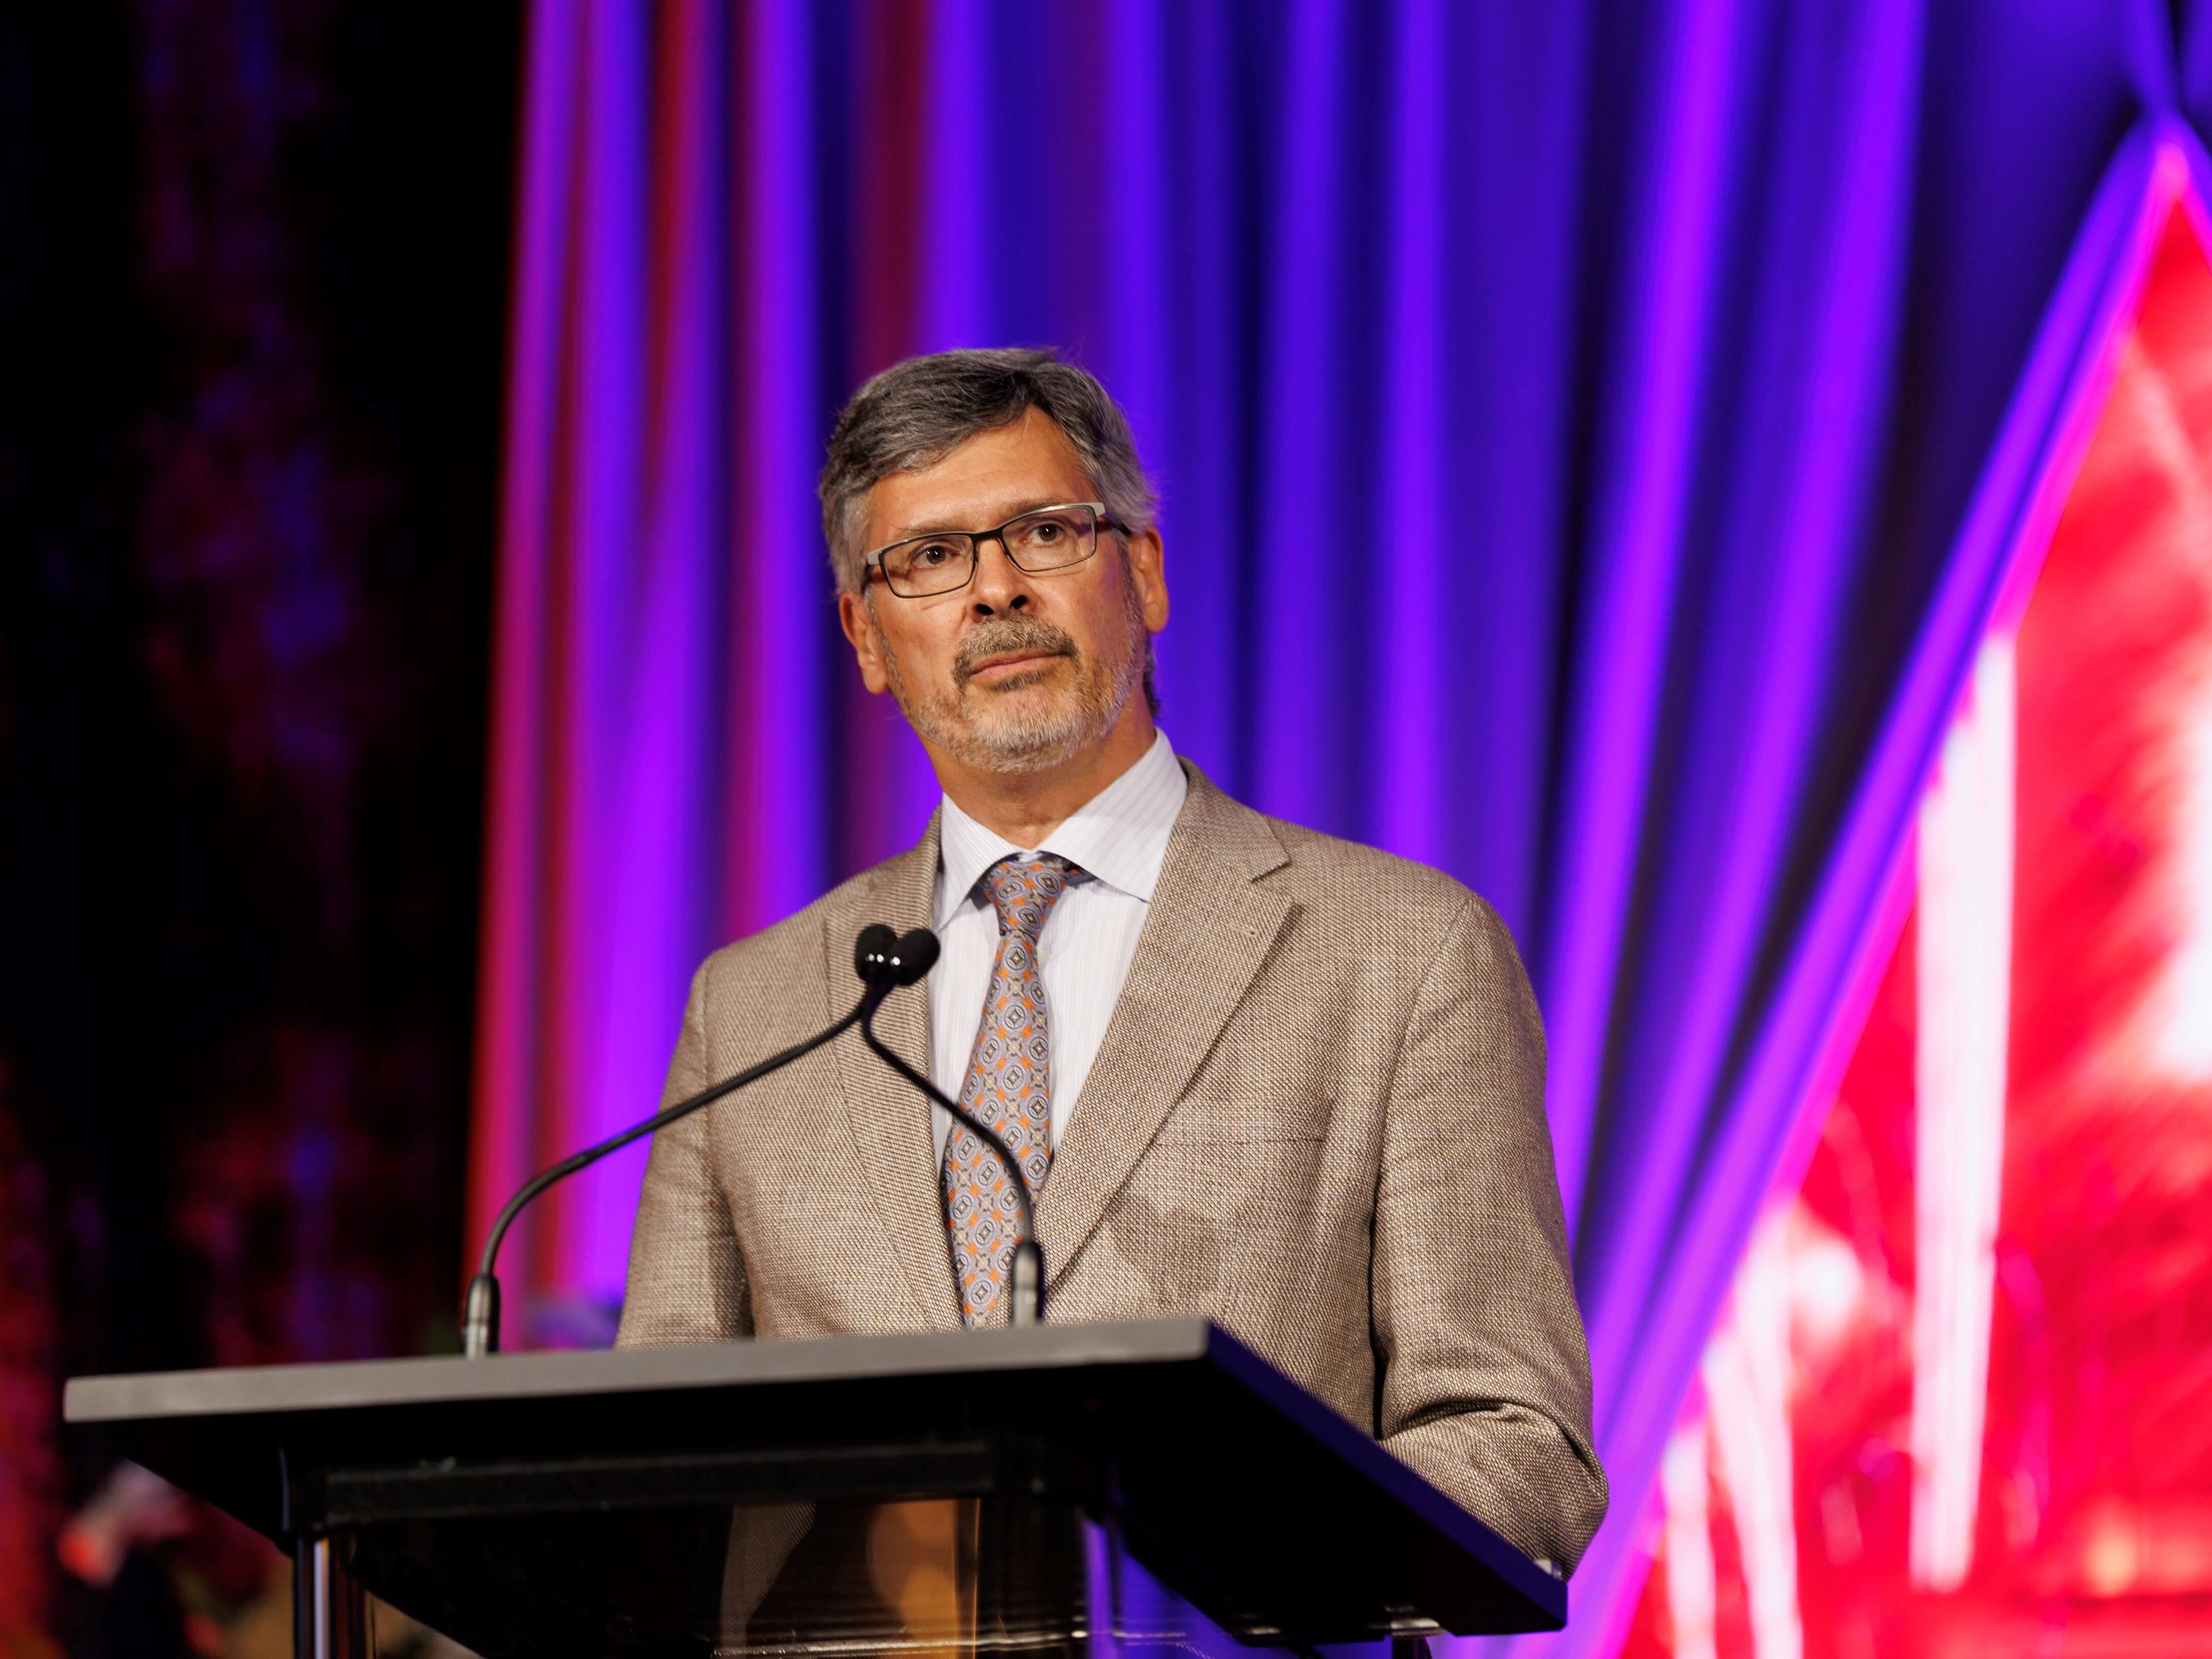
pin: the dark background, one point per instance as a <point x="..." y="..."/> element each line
<point x="252" y="292"/>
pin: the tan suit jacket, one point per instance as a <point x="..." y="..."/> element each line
<point x="1317" y="1118"/>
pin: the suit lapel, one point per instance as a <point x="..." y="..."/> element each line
<point x="891" y="1121"/>
<point x="1207" y="932"/>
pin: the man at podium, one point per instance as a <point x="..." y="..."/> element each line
<point x="1249" y="1071"/>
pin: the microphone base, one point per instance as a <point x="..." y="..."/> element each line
<point x="1026" y="1285"/>
<point x="480" y="1318"/>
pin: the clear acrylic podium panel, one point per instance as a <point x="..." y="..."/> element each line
<point x="935" y="1577"/>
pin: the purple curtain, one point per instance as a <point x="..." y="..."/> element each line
<point x="1591" y="435"/>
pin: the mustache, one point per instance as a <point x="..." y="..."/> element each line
<point x="1001" y="635"/>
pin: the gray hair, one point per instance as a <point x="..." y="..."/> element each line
<point x="917" y="412"/>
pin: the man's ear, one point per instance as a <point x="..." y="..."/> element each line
<point x="859" y="622"/>
<point x="1147" y="568"/>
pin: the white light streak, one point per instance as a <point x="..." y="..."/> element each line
<point x="1746" y="1371"/>
<point x="2181" y="1036"/>
<point x="1965" y="966"/>
<point x="1691" y="1577"/>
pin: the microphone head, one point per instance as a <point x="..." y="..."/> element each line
<point x="872" y="954"/>
<point x="913" y="955"/>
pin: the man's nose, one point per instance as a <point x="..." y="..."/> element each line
<point x="1000" y="585"/>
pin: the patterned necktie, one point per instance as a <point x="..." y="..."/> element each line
<point x="1009" y="1087"/>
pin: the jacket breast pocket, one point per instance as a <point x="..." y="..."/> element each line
<point x="1248" y="1120"/>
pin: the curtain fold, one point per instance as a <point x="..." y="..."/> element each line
<point x="1588" y="434"/>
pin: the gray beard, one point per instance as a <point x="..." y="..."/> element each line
<point x="990" y="732"/>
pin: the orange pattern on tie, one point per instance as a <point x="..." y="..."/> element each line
<point x="1009" y="1087"/>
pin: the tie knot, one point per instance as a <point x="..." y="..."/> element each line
<point x="1026" y="889"/>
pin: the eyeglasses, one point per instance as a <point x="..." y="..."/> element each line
<point x="1044" y="538"/>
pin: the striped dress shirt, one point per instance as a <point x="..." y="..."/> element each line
<point x="1118" y="840"/>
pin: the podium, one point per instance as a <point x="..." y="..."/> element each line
<point x="1055" y="1490"/>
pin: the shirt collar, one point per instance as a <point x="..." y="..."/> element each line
<point x="1119" y="836"/>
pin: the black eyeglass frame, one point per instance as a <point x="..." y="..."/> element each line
<point x="871" y="563"/>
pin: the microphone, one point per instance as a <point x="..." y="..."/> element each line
<point x="877" y="957"/>
<point x="906" y="960"/>
<point x="892" y="960"/>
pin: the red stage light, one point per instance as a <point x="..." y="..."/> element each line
<point x="2085" y="1467"/>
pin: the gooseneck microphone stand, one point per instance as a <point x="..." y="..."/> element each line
<point x="875" y="958"/>
<point x="884" y="961"/>
<point x="918" y="951"/>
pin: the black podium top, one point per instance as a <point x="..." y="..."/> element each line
<point x="1258" y="1502"/>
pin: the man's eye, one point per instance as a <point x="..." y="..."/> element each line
<point x="1045" y="532"/>
<point x="932" y="556"/>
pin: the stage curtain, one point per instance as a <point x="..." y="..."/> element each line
<point x="1591" y="435"/>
